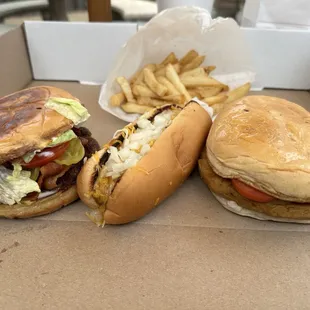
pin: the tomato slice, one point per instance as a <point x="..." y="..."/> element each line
<point x="250" y="193"/>
<point x="47" y="155"/>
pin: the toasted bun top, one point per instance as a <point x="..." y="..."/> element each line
<point x="26" y="124"/>
<point x="264" y="142"/>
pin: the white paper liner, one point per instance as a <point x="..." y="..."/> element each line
<point x="178" y="30"/>
<point x="47" y="194"/>
<point x="235" y="208"/>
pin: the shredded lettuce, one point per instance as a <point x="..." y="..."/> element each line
<point x="29" y="156"/>
<point x="69" y="108"/>
<point x="35" y="173"/>
<point x="17" y="170"/>
<point x="73" y="154"/>
<point x="65" y="137"/>
<point x="15" y="185"/>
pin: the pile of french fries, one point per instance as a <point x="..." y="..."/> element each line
<point x="174" y="81"/>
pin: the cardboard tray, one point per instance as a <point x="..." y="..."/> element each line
<point x="189" y="253"/>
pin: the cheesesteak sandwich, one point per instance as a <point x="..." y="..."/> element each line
<point x="41" y="150"/>
<point x="257" y="159"/>
<point x="143" y="164"/>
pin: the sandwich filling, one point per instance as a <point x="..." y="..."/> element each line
<point x="250" y="192"/>
<point x="125" y="151"/>
<point x="40" y="173"/>
<point x="226" y="193"/>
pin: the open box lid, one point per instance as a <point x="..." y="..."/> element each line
<point x="189" y="253"/>
<point x="67" y="51"/>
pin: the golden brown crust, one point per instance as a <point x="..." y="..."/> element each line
<point x="159" y="173"/>
<point x="264" y="142"/>
<point x="40" y="207"/>
<point x="223" y="188"/>
<point x="25" y="123"/>
<point x="86" y="179"/>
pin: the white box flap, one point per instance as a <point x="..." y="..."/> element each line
<point x="82" y="51"/>
<point x="281" y="57"/>
<point x="76" y="50"/>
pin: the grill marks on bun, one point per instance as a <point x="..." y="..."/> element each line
<point x="26" y="125"/>
<point x="21" y="107"/>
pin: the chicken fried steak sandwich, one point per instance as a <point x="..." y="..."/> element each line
<point x="257" y="159"/>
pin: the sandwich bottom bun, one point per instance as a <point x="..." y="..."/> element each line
<point x="276" y="210"/>
<point x="41" y="206"/>
<point x="156" y="176"/>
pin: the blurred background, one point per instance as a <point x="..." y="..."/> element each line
<point x="14" y="13"/>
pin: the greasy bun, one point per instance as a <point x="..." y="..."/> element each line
<point x="26" y="124"/>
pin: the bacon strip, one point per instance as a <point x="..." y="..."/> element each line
<point x="48" y="170"/>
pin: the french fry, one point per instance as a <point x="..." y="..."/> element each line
<point x="139" y="76"/>
<point x="194" y="93"/>
<point x="153" y="84"/>
<point x="193" y="81"/>
<point x="117" y="99"/>
<point x="206" y="92"/>
<point x="162" y="71"/>
<point x="220" y="98"/>
<point x="135" y="77"/>
<point x="170" y="59"/>
<point x="195" y="63"/>
<point x="177" y="67"/>
<point x="188" y="57"/>
<point x="224" y="87"/>
<point x="148" y="101"/>
<point x="124" y="84"/>
<point x="193" y="72"/>
<point x="171" y="89"/>
<point x="143" y="91"/>
<point x="159" y="66"/>
<point x="130" y="107"/>
<point x="209" y="69"/>
<point x="178" y="99"/>
<point x="175" y="80"/>
<point x="238" y="93"/>
<point x="155" y="102"/>
<point x="151" y="67"/>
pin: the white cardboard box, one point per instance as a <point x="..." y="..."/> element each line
<point x="190" y="252"/>
<point x="85" y="52"/>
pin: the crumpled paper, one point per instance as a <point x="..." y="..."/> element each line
<point x="179" y="30"/>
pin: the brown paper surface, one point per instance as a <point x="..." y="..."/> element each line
<point x="189" y="253"/>
<point x="15" y="71"/>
